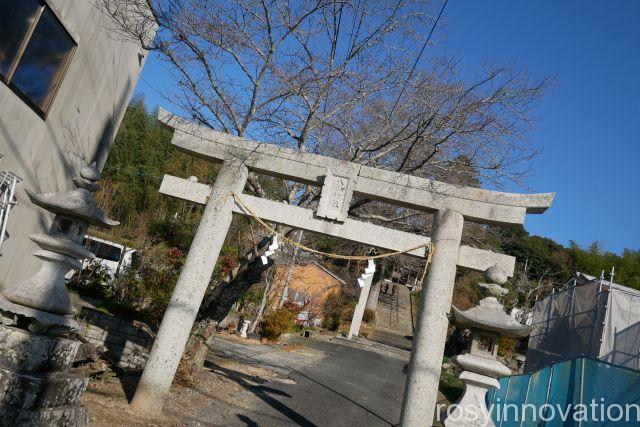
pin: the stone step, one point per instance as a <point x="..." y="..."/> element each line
<point x="392" y="338"/>
<point x="66" y="416"/>
<point x="23" y="351"/>
<point x="394" y="311"/>
<point x="33" y="391"/>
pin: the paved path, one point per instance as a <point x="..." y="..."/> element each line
<point x="328" y="385"/>
<point x="394" y="324"/>
<point x="394" y="311"/>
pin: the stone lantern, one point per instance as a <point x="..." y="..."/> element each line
<point x="487" y="322"/>
<point x="37" y="344"/>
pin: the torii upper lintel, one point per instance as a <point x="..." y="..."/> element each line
<point x="477" y="205"/>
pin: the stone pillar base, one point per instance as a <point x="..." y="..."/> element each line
<point x="35" y="387"/>
<point x="471" y="410"/>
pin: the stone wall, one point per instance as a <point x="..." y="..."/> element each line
<point x="128" y="341"/>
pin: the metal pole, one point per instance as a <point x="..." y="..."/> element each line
<point x="8" y="202"/>
<point x="613" y="273"/>
<point x="601" y="279"/>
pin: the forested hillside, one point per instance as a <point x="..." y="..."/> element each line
<point x="162" y="228"/>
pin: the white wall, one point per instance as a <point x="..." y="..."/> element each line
<point x="79" y="128"/>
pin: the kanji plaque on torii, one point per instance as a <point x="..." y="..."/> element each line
<point x="451" y="205"/>
<point x="335" y="197"/>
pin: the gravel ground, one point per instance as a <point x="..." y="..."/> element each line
<point x="246" y="383"/>
<point x="218" y="398"/>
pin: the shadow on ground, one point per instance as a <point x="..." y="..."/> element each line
<point x="262" y="392"/>
<point x="129" y="380"/>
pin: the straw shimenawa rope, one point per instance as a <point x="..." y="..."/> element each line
<point x="429" y="246"/>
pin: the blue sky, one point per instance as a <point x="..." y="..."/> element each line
<point x="589" y="123"/>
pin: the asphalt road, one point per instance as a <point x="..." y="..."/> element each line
<point x="345" y="387"/>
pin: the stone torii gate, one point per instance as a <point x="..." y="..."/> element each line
<point x="451" y="205"/>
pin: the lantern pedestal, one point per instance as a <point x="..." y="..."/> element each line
<point x="487" y="322"/>
<point x="35" y="387"/>
<point x="37" y="337"/>
<point x="472" y="410"/>
<point x="479" y="375"/>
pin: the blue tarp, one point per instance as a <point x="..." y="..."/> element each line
<point x="579" y="392"/>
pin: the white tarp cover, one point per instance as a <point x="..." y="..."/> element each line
<point x="621" y="335"/>
<point x="589" y="318"/>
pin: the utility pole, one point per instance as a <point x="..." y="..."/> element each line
<point x="291" y="264"/>
<point x="263" y="302"/>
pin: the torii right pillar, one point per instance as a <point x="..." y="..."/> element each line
<point x="421" y="388"/>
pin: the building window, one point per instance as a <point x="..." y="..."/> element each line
<point x="35" y="51"/>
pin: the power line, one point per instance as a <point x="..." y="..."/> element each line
<point x="415" y="64"/>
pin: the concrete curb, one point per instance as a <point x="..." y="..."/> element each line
<point x="363" y="344"/>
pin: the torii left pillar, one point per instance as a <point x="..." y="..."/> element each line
<point x="187" y="296"/>
<point x="358" y="312"/>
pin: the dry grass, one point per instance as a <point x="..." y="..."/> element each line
<point x="216" y="397"/>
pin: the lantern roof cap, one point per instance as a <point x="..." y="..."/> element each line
<point x="75" y="203"/>
<point x="79" y="202"/>
<point x="490" y="316"/>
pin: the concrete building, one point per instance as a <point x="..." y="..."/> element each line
<point x="65" y="81"/>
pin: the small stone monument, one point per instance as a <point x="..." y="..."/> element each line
<point x="487" y="322"/>
<point x="37" y="344"/>
<point x="244" y="327"/>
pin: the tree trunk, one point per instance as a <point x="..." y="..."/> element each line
<point x="226" y="294"/>
<point x="216" y="306"/>
<point x="218" y="303"/>
<point x="195" y="352"/>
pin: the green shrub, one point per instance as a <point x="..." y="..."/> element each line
<point x="94" y="281"/>
<point x="141" y="293"/>
<point x="252" y="296"/>
<point x="450" y="386"/>
<point x="173" y="233"/>
<point x="336" y="310"/>
<point x="277" y="323"/>
<point x="369" y="315"/>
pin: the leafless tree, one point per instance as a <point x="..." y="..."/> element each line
<point x="525" y="291"/>
<point x="337" y="77"/>
<point x="342" y="78"/>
